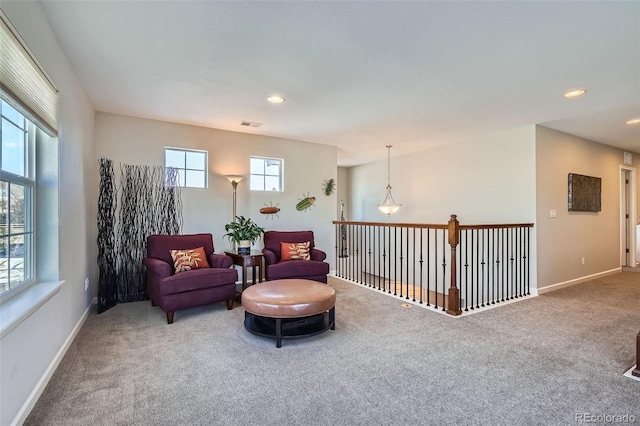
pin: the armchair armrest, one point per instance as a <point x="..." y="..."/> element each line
<point x="269" y="257"/>
<point x="318" y="254"/>
<point x="220" y="261"/>
<point x="157" y="266"/>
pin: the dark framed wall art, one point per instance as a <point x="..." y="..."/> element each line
<point x="584" y="193"/>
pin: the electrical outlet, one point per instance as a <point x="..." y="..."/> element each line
<point x="583" y="260"/>
<point x="552" y="213"/>
<point x="86" y="282"/>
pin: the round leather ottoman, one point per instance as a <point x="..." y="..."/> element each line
<point x="289" y="308"/>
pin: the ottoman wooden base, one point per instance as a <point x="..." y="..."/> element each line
<point x="284" y="309"/>
<point x="289" y="328"/>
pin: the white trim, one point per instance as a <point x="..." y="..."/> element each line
<point x="569" y="283"/>
<point x="631" y="376"/>
<point x="465" y="313"/>
<point x="632" y="256"/>
<point x="26" y="408"/>
<point x="21" y="305"/>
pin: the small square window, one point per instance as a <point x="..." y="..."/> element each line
<point x="266" y="174"/>
<point x="191" y="165"/>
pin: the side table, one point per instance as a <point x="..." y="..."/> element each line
<point x="253" y="259"/>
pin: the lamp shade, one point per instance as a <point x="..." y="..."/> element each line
<point x="234" y="178"/>
<point x="389" y="206"/>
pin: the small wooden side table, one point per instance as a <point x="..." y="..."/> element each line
<point x="253" y="259"/>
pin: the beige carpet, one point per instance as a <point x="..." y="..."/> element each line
<point x="541" y="361"/>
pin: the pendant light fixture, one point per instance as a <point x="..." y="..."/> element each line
<point x="389" y="206"/>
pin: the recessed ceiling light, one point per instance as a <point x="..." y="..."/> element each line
<point x="574" y="93"/>
<point x="634" y="121"/>
<point x="275" y="99"/>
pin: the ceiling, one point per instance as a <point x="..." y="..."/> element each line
<point x="362" y="75"/>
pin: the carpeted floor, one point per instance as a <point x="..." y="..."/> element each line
<point x="542" y="361"/>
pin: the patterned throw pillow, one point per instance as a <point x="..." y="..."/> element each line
<point x="295" y="251"/>
<point x="186" y="260"/>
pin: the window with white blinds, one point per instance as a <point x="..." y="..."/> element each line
<point x="23" y="83"/>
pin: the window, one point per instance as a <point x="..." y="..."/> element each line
<point x="17" y="186"/>
<point x="266" y="174"/>
<point x="191" y="165"/>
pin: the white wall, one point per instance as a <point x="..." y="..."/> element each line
<point x="28" y="350"/>
<point x="487" y="180"/>
<point x="564" y="240"/>
<point x="306" y="166"/>
<point x="343" y="192"/>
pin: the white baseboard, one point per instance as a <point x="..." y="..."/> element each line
<point x="44" y="380"/>
<point x="631" y="376"/>
<point x="569" y="283"/>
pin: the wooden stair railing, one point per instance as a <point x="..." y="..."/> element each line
<point x="500" y="253"/>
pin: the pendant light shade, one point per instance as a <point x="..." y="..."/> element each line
<point x="389" y="206"/>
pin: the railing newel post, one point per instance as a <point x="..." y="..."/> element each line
<point x="453" y="301"/>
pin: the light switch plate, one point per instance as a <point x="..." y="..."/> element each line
<point x="552" y="213"/>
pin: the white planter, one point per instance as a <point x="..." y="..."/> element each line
<point x="244" y="247"/>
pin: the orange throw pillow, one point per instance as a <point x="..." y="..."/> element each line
<point x="186" y="260"/>
<point x="295" y="251"/>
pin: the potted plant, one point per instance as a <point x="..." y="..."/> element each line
<point x="243" y="232"/>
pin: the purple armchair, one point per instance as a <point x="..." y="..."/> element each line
<point x="191" y="288"/>
<point x="276" y="269"/>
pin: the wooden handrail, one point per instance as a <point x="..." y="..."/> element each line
<point x="434" y="226"/>
<point x="499" y="226"/>
<point x="392" y="225"/>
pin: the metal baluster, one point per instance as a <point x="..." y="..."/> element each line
<point x="473" y="280"/>
<point x="414" y="265"/>
<point x="505" y="266"/>
<point x="370" y="240"/>
<point x="384" y="258"/>
<point x="485" y="273"/>
<point x="518" y="261"/>
<point x="401" y="261"/>
<point x="512" y="262"/>
<point x="435" y="267"/>
<point x="499" y="270"/>
<point x="350" y="250"/>
<point x="444" y="269"/>
<point x="494" y="280"/>
<point x="476" y="266"/>
<point x="407" y="263"/>
<point x="421" y="265"/>
<point x="466" y="269"/>
<point x="523" y="256"/>
<point x="428" y="266"/>
<point x="395" y="261"/>
<point x="362" y="252"/>
<point x="363" y="238"/>
<point x="379" y="249"/>
<point x="527" y="261"/>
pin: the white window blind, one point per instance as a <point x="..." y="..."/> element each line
<point x="23" y="80"/>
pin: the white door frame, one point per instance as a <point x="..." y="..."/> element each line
<point x="632" y="216"/>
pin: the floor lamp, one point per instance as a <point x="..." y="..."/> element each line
<point x="234" y="179"/>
